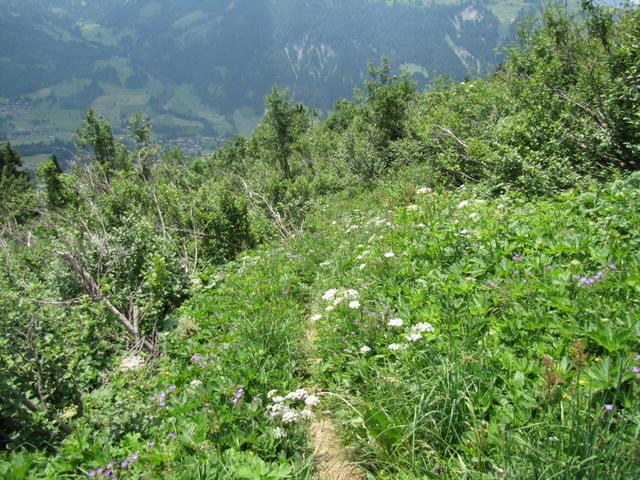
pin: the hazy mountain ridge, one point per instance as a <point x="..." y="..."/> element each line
<point x="201" y="69"/>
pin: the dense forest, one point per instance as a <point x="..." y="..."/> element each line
<point x="450" y="273"/>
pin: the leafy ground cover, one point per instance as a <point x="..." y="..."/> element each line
<point x="464" y="337"/>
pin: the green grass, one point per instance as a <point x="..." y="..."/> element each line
<point x="523" y="358"/>
<point x="511" y="382"/>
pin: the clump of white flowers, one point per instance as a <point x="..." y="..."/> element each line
<point x="365" y="349"/>
<point x="290" y="408"/>
<point x="337" y="296"/>
<point x="395" y="322"/>
<point x="389" y="254"/>
<point x="423" y="191"/>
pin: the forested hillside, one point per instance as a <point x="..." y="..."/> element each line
<point x="429" y="283"/>
<point x="201" y="69"/>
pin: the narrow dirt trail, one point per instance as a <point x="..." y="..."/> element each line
<point x="329" y="454"/>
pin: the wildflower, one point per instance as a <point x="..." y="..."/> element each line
<point x="422" y="327"/>
<point x="330" y="308"/>
<point x="395" y="322"/>
<point x="638" y="358"/>
<point x="423" y="190"/>
<point x="473" y="216"/>
<point x="463" y="204"/>
<point x="491" y="283"/>
<point x="279" y="433"/>
<point x="354" y="304"/>
<point x="277" y="399"/>
<point x="351" y="293"/>
<point x="365" y="349"/>
<point x="636" y="370"/>
<point x="151" y="444"/>
<point x="412" y="207"/>
<point x="582" y="382"/>
<point x="198" y="360"/>
<point x="195" y="383"/>
<point x="414" y="336"/>
<point x="306" y="414"/>
<point x="362" y="266"/>
<point x="338" y="301"/>
<point x="437" y="470"/>
<point x="608" y="407"/>
<point x="238" y="395"/>
<point x="171" y="388"/>
<point x="298" y="394"/>
<point x="420" y="225"/>
<point x="397" y="346"/>
<point x="613" y="266"/>
<point x="289" y="416"/>
<point x="271" y="393"/>
<point x="91" y="474"/>
<point x="312" y="401"/>
<point x="324" y="264"/>
<point x="389" y="254"/>
<point x="172" y="435"/>
<point x="329" y="294"/>
<point x="517" y="257"/>
<point x="316" y="317"/>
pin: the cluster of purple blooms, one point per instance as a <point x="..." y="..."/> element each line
<point x="199" y="360"/>
<point x="238" y="395"/>
<point x="108" y="470"/>
<point x="636" y="369"/>
<point x="162" y="396"/>
<point x="588" y="281"/>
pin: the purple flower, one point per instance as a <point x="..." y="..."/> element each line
<point x="437" y="470"/>
<point x="151" y="444"/>
<point x="638" y="357"/>
<point x="636" y="370"/>
<point x="172" y="436"/>
<point x="91" y="474"/>
<point x="608" y="407"/>
<point x="125" y="464"/>
<point x="491" y="283"/>
<point x="171" y="388"/>
<point x="198" y="360"/>
<point x="548" y="268"/>
<point x="613" y="266"/>
<point x="238" y="395"/>
<point x="517" y="257"/>
<point x="133" y="457"/>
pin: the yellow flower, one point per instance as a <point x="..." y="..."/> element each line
<point x="582" y="381"/>
<point x="597" y="359"/>
<point x="565" y="396"/>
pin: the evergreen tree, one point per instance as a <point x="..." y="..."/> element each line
<point x="10" y="164"/>
<point x="50" y="173"/>
<point x="284" y="119"/>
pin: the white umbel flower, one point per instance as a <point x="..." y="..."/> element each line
<point x="312" y="401"/>
<point x="354" y="304"/>
<point x="389" y="255"/>
<point x="422" y="327"/>
<point x="395" y="322"/>
<point x="365" y="349"/>
<point x="394" y="347"/>
<point x="329" y="294"/>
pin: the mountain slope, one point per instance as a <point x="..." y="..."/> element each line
<point x="201" y="69"/>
